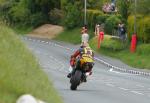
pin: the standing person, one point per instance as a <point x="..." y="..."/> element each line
<point x="122" y="31"/>
<point x="97" y="29"/>
<point x="85" y="37"/>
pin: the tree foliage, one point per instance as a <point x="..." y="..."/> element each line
<point x="32" y="12"/>
<point x="142" y="7"/>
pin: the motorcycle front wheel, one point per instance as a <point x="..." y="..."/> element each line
<point x="75" y="80"/>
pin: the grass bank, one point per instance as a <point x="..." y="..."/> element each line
<point x="72" y="36"/>
<point x="20" y="73"/>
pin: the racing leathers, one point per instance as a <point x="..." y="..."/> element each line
<point x="84" y="55"/>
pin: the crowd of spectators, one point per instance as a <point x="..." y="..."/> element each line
<point x="109" y="7"/>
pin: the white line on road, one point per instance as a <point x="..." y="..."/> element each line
<point x="111" y="70"/>
<point x="111" y="85"/>
<point x="38" y="40"/>
<point x="123" y="88"/>
<point x="136" y="92"/>
<point x="140" y="86"/>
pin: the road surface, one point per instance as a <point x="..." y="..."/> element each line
<point x="104" y="86"/>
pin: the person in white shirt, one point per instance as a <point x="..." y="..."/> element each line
<point x="85" y="37"/>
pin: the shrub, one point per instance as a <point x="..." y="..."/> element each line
<point x="92" y="17"/>
<point x="143" y="28"/>
<point x="112" y="44"/>
<point x="102" y="18"/>
<point x="20" y="13"/>
<point x="37" y="19"/>
<point x="108" y="43"/>
<point x="55" y="16"/>
<point x="111" y="23"/>
<point x="72" y="16"/>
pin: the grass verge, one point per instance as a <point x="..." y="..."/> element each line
<point x="22" y="30"/>
<point x="20" y="73"/>
<point x="72" y="36"/>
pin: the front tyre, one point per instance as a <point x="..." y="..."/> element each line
<point x="75" y="80"/>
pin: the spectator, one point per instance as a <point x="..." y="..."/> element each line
<point x="97" y="29"/>
<point x="85" y="37"/>
<point x="122" y="31"/>
<point x="112" y="7"/>
<point x="109" y="7"/>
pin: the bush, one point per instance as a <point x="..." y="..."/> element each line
<point x="143" y="28"/>
<point x="37" y="19"/>
<point x="72" y="16"/>
<point x="102" y="18"/>
<point x="92" y="17"/>
<point x="111" y="23"/>
<point x="56" y="16"/>
<point x="112" y="44"/>
<point x="19" y="13"/>
<point x="109" y="44"/>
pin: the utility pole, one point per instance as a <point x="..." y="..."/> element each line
<point x="85" y="1"/>
<point x="134" y="35"/>
<point x="135" y="4"/>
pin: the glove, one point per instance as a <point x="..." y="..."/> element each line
<point x="88" y="73"/>
<point x="71" y="56"/>
<point x="72" y="61"/>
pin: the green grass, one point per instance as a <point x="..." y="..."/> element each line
<point x="22" y="30"/>
<point x="72" y="36"/>
<point x="20" y="73"/>
<point x="139" y="59"/>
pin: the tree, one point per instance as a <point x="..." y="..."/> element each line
<point x="142" y="7"/>
<point x="124" y="9"/>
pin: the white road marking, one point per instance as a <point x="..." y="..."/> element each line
<point x="140" y="86"/>
<point x="38" y="40"/>
<point x="136" y="92"/>
<point x="29" y="39"/>
<point x="111" y="85"/>
<point x="111" y="70"/>
<point x="33" y="40"/>
<point x="123" y="88"/>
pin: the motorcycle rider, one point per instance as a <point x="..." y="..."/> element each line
<point x="83" y="55"/>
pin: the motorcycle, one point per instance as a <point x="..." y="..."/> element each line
<point x="79" y="75"/>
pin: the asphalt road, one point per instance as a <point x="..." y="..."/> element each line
<point x="104" y="86"/>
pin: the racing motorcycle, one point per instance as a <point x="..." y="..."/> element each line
<point x="79" y="75"/>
